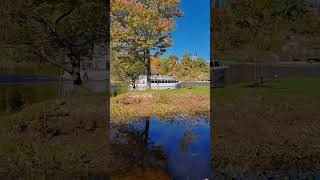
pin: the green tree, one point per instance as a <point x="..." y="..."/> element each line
<point x="187" y="61"/>
<point x="201" y="63"/>
<point x="42" y="29"/>
<point x="143" y="28"/>
<point x="165" y="65"/>
<point x="125" y="68"/>
<point x="257" y="25"/>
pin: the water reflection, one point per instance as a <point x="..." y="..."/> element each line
<point x="131" y="151"/>
<point x="15" y="95"/>
<point x="178" y="146"/>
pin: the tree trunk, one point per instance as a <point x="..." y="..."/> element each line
<point x="76" y="70"/>
<point x="148" y="66"/>
<point x="146" y="130"/>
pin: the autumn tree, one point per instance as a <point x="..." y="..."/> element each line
<point x="200" y="63"/>
<point x="43" y="29"/>
<point x="143" y="28"/>
<point x="173" y="59"/>
<point x="155" y="65"/>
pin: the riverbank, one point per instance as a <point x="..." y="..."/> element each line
<point x="268" y="129"/>
<point x="164" y="103"/>
<point x="69" y="136"/>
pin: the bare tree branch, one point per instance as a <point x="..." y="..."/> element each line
<point x="63" y="16"/>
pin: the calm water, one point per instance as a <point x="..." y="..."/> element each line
<point x="13" y="97"/>
<point x="21" y="91"/>
<point x="178" y="146"/>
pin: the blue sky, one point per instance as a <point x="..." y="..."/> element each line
<point x="192" y="33"/>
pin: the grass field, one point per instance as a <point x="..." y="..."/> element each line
<point x="275" y="127"/>
<point x="289" y="89"/>
<point x="204" y="89"/>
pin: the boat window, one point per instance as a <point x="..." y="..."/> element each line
<point x="152" y="81"/>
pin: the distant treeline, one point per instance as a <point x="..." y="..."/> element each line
<point x="186" y="68"/>
<point x="266" y="30"/>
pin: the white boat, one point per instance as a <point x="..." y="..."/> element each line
<point x="158" y="82"/>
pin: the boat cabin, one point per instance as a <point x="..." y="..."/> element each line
<point x="158" y="82"/>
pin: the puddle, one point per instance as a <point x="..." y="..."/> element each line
<point x="177" y="148"/>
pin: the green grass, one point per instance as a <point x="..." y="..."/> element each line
<point x="28" y="68"/>
<point x="294" y="89"/>
<point x="201" y="89"/>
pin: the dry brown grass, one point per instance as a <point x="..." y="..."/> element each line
<point x="188" y="102"/>
<point x="256" y="135"/>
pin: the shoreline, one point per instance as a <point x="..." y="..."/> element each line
<point x="74" y="126"/>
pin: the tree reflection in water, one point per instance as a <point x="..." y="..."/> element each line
<point x="188" y="137"/>
<point x="132" y="152"/>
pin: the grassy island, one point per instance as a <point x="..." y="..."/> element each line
<point x="163" y="103"/>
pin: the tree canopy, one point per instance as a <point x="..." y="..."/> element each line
<point x="256" y="27"/>
<point x="142" y="28"/>
<point x="43" y="28"/>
